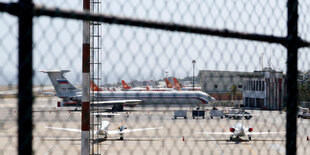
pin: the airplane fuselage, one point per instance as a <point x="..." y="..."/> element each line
<point x="239" y="132"/>
<point x="164" y="97"/>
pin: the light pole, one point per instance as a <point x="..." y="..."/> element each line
<point x="193" y="72"/>
<point x="166" y="72"/>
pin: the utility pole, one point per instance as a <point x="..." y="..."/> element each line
<point x="193" y="73"/>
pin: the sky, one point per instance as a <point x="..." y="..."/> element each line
<point x="133" y="53"/>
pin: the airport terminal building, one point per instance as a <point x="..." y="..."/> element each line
<point x="265" y="91"/>
<point x="218" y="83"/>
<point x="261" y="89"/>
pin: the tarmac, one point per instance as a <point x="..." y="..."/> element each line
<point x="178" y="136"/>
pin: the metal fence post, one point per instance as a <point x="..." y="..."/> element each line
<point x="25" y="96"/>
<point x="85" y="135"/>
<point x="292" y="51"/>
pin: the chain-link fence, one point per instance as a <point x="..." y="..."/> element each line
<point x="161" y="77"/>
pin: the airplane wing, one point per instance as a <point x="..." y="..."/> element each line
<point x="64" y="129"/>
<point x="264" y="133"/>
<point x="113" y="132"/>
<point x="216" y="133"/>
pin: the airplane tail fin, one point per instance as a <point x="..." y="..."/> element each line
<point x="125" y="85"/>
<point x="94" y="87"/>
<point x="147" y="88"/>
<point x="62" y="86"/>
<point x="168" y="83"/>
<point x="177" y="84"/>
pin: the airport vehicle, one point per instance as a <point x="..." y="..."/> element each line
<point x="178" y="86"/>
<point x="302" y="112"/>
<point x="118" y="99"/>
<point x="180" y="113"/>
<point x="238" y="130"/>
<point x="231" y="113"/>
<point x="216" y="113"/>
<point x="198" y="113"/>
<point x="306" y="115"/>
<point x="103" y="130"/>
<point x="239" y="115"/>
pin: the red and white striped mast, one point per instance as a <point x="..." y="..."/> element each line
<point x="85" y="135"/>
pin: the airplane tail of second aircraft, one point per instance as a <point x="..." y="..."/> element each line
<point x="62" y="86"/>
<point x="94" y="87"/>
<point x="168" y="83"/>
<point x="125" y="85"/>
<point x="177" y="84"/>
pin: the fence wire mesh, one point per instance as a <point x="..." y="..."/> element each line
<point x="231" y="95"/>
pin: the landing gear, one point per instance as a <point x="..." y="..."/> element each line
<point x="230" y="138"/>
<point x="237" y="139"/>
<point x="121" y="137"/>
<point x="117" y="108"/>
<point x="250" y="138"/>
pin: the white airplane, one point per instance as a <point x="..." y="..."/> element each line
<point x="238" y="130"/>
<point x="72" y="96"/>
<point x="104" y="131"/>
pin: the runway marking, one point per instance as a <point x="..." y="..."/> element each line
<point x="217" y="146"/>
<point x="249" y="148"/>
